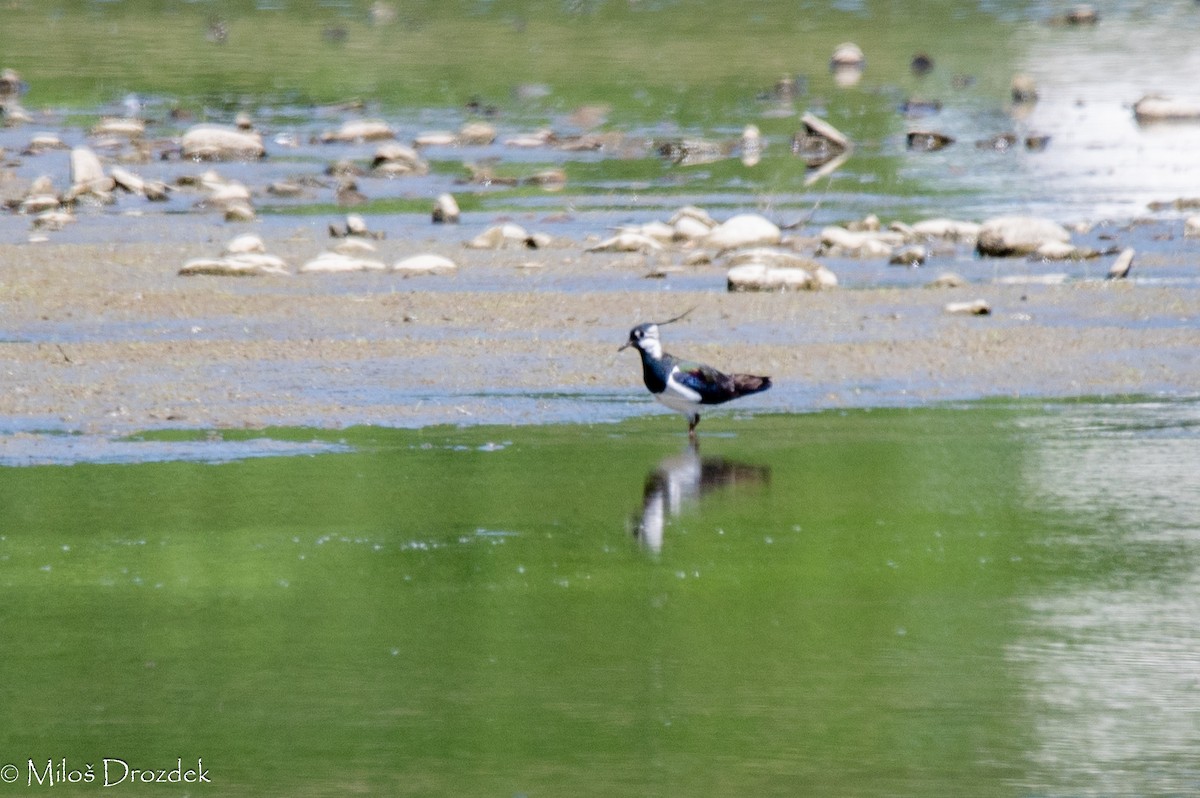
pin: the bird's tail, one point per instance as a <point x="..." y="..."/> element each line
<point x="748" y="383"/>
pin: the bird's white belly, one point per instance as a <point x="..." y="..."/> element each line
<point x="679" y="397"/>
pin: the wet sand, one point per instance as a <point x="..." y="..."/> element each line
<point x="109" y="340"/>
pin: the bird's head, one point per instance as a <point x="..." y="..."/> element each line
<point x="645" y="336"/>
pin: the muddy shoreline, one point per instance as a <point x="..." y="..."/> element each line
<point x="109" y="340"/>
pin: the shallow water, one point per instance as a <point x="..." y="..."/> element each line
<point x="525" y="75"/>
<point x="993" y="599"/>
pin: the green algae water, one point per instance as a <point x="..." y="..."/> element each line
<point x="987" y="600"/>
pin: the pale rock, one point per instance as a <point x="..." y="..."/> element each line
<point x="355" y="245"/>
<point x="245" y="244"/>
<point x="775" y="258"/>
<point x="948" y="229"/>
<point x="659" y="231"/>
<point x="239" y="212"/>
<point x="477" y="134"/>
<point x="359" y="130"/>
<point x="824" y="276"/>
<point x="436" y="138"/>
<point x="339" y="262"/>
<point x="1155" y="108"/>
<point x="218" y="143"/>
<point x="1061" y="250"/>
<point x="499" y="237"/>
<point x="393" y="159"/>
<point x="242" y="264"/>
<point x="41" y="142"/>
<point x="743" y="230"/>
<point x="689" y="228"/>
<point x="627" y="242"/>
<point x="52" y="220"/>
<point x="1006" y="236"/>
<point x="120" y="126"/>
<point x="127" y="180"/>
<point x="87" y="174"/>
<point x="862" y="243"/>
<point x="424" y="264"/>
<point x="757" y="276"/>
<point x="1055" y="278"/>
<point x="538" y="138"/>
<point x="692" y="212"/>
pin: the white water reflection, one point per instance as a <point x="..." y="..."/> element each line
<point x="1089" y="80"/>
<point x="682" y="479"/>
<point x="1112" y="654"/>
<point x="1099" y="163"/>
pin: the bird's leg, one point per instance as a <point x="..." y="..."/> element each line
<point x="693" y="420"/>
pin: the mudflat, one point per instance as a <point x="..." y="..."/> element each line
<point x="109" y="339"/>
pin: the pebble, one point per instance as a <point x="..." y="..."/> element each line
<point x="1023" y="89"/>
<point x="977" y="307"/>
<point x="356" y="226"/>
<point x="820" y="144"/>
<point x="847" y="64"/>
<point x="912" y="255"/>
<point x="947" y="280"/>
<point x="445" y="210"/>
<point x="928" y="140"/>
<point x="1121" y="266"/>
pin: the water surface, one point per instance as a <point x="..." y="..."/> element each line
<point x="987" y="600"/>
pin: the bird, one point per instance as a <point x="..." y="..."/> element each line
<point x="682" y="385"/>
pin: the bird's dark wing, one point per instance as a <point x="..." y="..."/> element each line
<point x="713" y="386"/>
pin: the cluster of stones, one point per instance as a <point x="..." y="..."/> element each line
<point x="247" y="256"/>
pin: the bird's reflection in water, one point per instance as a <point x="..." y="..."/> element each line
<point x="684" y="478"/>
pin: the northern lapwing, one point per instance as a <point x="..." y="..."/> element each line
<point x="684" y="386"/>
